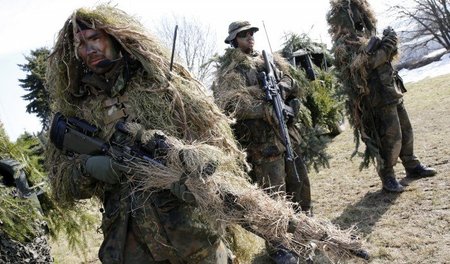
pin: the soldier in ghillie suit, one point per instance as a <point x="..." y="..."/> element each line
<point x="169" y="206"/>
<point x="104" y="69"/>
<point x="374" y="89"/>
<point x="238" y="91"/>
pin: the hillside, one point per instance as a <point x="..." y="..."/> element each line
<point x="412" y="227"/>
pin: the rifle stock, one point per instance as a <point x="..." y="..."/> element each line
<point x="75" y="135"/>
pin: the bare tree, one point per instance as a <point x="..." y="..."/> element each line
<point x="426" y="21"/>
<point x="195" y="45"/>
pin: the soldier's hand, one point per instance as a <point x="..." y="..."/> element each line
<point x="295" y="105"/>
<point x="104" y="168"/>
<point x="157" y="146"/>
<point x="388" y="30"/>
<point x="181" y="191"/>
<point x="389" y="41"/>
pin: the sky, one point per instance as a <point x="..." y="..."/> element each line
<point x="30" y="24"/>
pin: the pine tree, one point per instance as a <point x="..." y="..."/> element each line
<point x="34" y="83"/>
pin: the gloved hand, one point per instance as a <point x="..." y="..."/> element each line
<point x="181" y="192"/>
<point x="104" y="168"/>
<point x="295" y="105"/>
<point x="157" y="147"/>
<point x="285" y="87"/>
<point x="389" y="40"/>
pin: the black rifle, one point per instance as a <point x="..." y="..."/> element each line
<point x="282" y="111"/>
<point x="75" y="135"/>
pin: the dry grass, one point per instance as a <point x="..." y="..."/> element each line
<point x="63" y="255"/>
<point x="413" y="227"/>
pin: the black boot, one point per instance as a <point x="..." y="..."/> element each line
<point x="284" y="256"/>
<point x="420" y="171"/>
<point x="390" y="184"/>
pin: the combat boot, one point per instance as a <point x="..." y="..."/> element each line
<point x="284" y="256"/>
<point x="390" y="184"/>
<point x="420" y="171"/>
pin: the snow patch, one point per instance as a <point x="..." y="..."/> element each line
<point x="433" y="69"/>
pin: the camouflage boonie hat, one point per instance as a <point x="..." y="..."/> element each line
<point x="236" y="27"/>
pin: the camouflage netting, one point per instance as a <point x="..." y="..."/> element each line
<point x="352" y="62"/>
<point x="199" y="133"/>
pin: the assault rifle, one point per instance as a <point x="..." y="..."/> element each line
<point x="75" y="135"/>
<point x="283" y="112"/>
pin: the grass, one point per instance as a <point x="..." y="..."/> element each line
<point x="412" y="227"/>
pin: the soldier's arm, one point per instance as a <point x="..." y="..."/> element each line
<point x="387" y="49"/>
<point x="378" y="58"/>
<point x="82" y="186"/>
<point x="289" y="87"/>
<point x="68" y="178"/>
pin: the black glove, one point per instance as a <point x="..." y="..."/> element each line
<point x="104" y="168"/>
<point x="157" y="147"/>
<point x="295" y="105"/>
<point x="389" y="41"/>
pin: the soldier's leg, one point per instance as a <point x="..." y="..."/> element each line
<point x="136" y="252"/>
<point x="413" y="167"/>
<point x="192" y="238"/>
<point x="407" y="156"/>
<point x="390" y="135"/>
<point x="270" y="174"/>
<point x="299" y="189"/>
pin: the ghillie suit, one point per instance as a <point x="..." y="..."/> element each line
<point x="238" y="91"/>
<point x="202" y="153"/>
<point x="352" y="63"/>
<point x="374" y="89"/>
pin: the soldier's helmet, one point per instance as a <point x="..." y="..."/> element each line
<point x="351" y="16"/>
<point x="238" y="26"/>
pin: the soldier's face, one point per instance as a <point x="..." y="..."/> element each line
<point x="96" y="49"/>
<point x="245" y="41"/>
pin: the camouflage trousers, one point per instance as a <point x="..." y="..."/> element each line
<point x="161" y="229"/>
<point x="217" y="253"/>
<point x="396" y="138"/>
<point x="278" y="175"/>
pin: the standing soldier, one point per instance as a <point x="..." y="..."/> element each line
<point x="106" y="70"/>
<point x="375" y="90"/>
<point x="239" y="92"/>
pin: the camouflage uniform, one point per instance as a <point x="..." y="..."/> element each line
<point x="138" y="227"/>
<point x="374" y="89"/>
<point x="257" y="130"/>
<point x="390" y="116"/>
